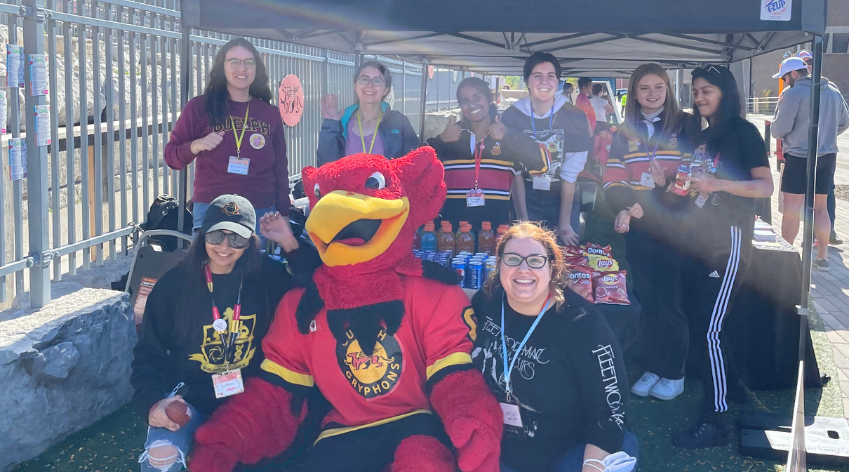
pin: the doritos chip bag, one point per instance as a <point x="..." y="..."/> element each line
<point x="610" y="288"/>
<point x="593" y="249"/>
<point x="576" y="260"/>
<point x="579" y="279"/>
<point x="569" y="251"/>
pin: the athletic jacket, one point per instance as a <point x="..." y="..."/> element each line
<point x="630" y="158"/>
<point x="500" y="161"/>
<point x="395" y="130"/>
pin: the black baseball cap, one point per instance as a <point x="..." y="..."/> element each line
<point x="230" y="212"/>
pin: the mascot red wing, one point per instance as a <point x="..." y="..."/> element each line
<point x="384" y="336"/>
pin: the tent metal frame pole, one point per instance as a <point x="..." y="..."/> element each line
<point x="186" y="70"/>
<point x="796" y="458"/>
<point x="423" y="104"/>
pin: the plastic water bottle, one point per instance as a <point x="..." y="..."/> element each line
<point x="428" y="240"/>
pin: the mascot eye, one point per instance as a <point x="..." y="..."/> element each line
<point x="317" y="191"/>
<point x="376" y="181"/>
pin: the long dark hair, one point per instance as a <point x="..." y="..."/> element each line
<point x="729" y="109"/>
<point x="191" y="267"/>
<point x="216" y="94"/>
<point x="671" y="114"/>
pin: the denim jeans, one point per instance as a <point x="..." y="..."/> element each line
<point x="573" y="459"/>
<point x="182" y="439"/>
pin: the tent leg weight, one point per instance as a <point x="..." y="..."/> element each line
<point x="767" y="436"/>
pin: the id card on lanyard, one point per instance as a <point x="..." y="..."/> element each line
<point x="646" y="180"/>
<point x="237" y="164"/>
<point x="510" y="407"/>
<point x="475" y="197"/>
<point x="230" y="382"/>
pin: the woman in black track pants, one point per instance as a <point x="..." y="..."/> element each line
<point x="722" y="219"/>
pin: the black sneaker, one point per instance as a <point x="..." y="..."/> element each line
<point x="834" y="239"/>
<point x="821" y="265"/>
<point x="702" y="436"/>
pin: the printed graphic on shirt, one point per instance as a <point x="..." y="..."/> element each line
<point x="253" y="125"/>
<point x="211" y="357"/>
<point x="525" y="367"/>
<point x="374" y="375"/>
<point x="552" y="140"/>
<point x="611" y="384"/>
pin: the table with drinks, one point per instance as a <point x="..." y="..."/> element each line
<point x="590" y="270"/>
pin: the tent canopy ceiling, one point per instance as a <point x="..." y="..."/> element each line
<point x="495" y="36"/>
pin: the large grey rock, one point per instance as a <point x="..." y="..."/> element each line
<point x="63" y="368"/>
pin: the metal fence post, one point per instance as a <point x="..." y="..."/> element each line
<point x="186" y="70"/>
<point x="37" y="186"/>
<point x="423" y="106"/>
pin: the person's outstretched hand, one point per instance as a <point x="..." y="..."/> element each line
<point x="330" y="108"/>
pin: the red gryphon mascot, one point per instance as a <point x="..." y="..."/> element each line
<point x="380" y="333"/>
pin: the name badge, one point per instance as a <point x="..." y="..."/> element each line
<point x="228" y="384"/>
<point x="512" y="416"/>
<point x="701" y="200"/>
<point x="542" y="182"/>
<point x="646" y="180"/>
<point x="238" y="165"/>
<point x="474" y="198"/>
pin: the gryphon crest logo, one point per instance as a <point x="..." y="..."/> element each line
<point x="375" y="375"/>
<point x="211" y="357"/>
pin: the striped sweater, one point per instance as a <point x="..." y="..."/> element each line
<point x="630" y="157"/>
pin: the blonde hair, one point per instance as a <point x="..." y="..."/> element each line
<point x="530" y="230"/>
<point x="671" y="115"/>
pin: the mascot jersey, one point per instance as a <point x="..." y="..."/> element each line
<point x="389" y="384"/>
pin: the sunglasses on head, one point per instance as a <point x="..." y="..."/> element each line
<point x="535" y="261"/>
<point x="217" y="237"/>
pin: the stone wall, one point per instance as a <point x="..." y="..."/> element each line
<point x="63" y="368"/>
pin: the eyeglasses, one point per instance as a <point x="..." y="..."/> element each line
<point x="366" y="80"/>
<point x="235" y="63"/>
<point x="217" y="237"/>
<point x="535" y="261"/>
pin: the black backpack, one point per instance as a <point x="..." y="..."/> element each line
<point x="163" y="214"/>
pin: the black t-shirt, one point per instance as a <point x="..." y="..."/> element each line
<point x="736" y="148"/>
<point x="173" y="349"/>
<point x="569" y="380"/>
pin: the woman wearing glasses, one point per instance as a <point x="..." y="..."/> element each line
<point x="735" y="171"/>
<point x="235" y="134"/>
<point x="564" y="390"/>
<point x="205" y="319"/>
<point x="369" y="125"/>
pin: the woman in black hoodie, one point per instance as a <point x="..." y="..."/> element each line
<point x="205" y="318"/>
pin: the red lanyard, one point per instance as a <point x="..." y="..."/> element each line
<point x="219" y="325"/>
<point x="216" y="315"/>
<point x="478" y="157"/>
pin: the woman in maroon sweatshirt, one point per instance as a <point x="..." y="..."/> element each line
<point x="235" y="134"/>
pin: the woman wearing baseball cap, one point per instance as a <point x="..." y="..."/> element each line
<point x="204" y="321"/>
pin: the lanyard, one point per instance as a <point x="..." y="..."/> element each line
<point x="373" y="136"/>
<point x="508" y="369"/>
<point x="550" y="119"/>
<point x="218" y="324"/>
<point x="478" y="158"/>
<point x="653" y="153"/>
<point x="244" y="126"/>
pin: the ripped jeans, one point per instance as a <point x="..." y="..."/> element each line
<point x="182" y="439"/>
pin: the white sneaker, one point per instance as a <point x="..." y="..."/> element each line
<point x="666" y="389"/>
<point x="646" y="382"/>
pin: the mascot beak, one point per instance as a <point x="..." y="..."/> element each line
<point x="351" y="228"/>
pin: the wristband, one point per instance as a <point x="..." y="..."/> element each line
<point x="589" y="462"/>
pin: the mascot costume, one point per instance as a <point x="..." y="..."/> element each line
<point x="384" y="336"/>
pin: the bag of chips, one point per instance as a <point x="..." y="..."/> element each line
<point x="579" y="279"/>
<point x="569" y="251"/>
<point x="593" y="249"/>
<point x="602" y="263"/>
<point x="576" y="261"/>
<point x="610" y="288"/>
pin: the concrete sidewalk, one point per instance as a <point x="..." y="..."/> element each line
<point x="829" y="290"/>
